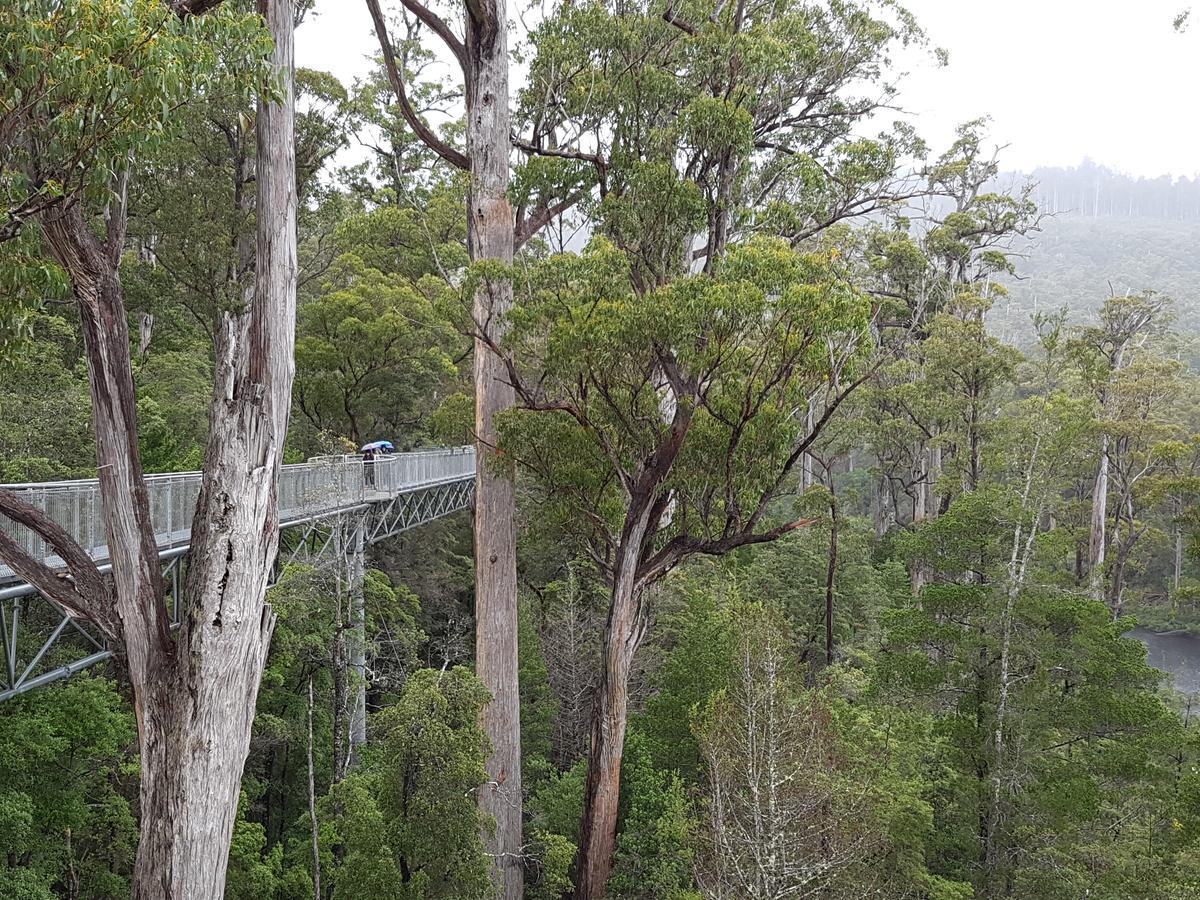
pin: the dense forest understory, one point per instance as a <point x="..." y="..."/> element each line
<point x="839" y="466"/>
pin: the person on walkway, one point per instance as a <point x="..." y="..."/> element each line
<point x="369" y="466"/>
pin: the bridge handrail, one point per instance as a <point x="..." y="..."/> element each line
<point x="321" y="485"/>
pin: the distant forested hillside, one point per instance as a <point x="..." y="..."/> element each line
<point x="1103" y="233"/>
<point x="1097" y="191"/>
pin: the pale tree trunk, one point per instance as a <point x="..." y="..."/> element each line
<point x="349" y="651"/>
<point x="1097" y="538"/>
<point x="1018" y="565"/>
<point x="932" y="500"/>
<point x="807" y="469"/>
<point x="312" y="802"/>
<point x="1178" y="569"/>
<point x="193" y="697"/>
<point x="885" y="506"/>
<point x="490" y="237"/>
<point x="358" y="647"/>
<point x="340" y="657"/>
<point x="623" y="634"/>
<point x="1124" y="540"/>
<point x="137" y="577"/>
<point x="920" y="513"/>
<point x="345" y="604"/>
<point x="196" y="733"/>
<point x="570" y="642"/>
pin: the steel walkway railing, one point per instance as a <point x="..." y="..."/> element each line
<point x="40" y="643"/>
<point x="319" y="487"/>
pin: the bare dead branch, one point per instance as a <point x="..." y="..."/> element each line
<point x="438" y="25"/>
<point x="418" y="125"/>
<point x="85" y="594"/>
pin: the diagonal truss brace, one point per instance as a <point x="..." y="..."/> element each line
<point x="35" y="633"/>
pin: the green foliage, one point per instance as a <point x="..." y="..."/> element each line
<point x="790" y="575"/>
<point x="1083" y="713"/>
<point x="175" y="388"/>
<point x="65" y="815"/>
<point x="766" y="316"/>
<point x="993" y="735"/>
<point x="95" y="80"/>
<point x="253" y="873"/>
<point x="654" y="850"/>
<point x="549" y="870"/>
<point x="370" y="353"/>
<point x="412" y="236"/>
<point x="453" y="422"/>
<point x="90" y="84"/>
<point x="556" y="804"/>
<point x="694" y="668"/>
<point x="803" y="789"/>
<point x="408" y="821"/>
<point x="45" y="410"/>
<point x="538" y="705"/>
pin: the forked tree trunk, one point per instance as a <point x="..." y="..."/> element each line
<point x="194" y="697"/>
<point x="198" y="712"/>
<point x="129" y="532"/>
<point x="490" y="237"/>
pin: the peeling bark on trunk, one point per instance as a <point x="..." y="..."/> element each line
<point x="198" y="713"/>
<point x="137" y="578"/>
<point x="490" y="237"/>
<point x="623" y="634"/>
<point x="194" y="697"/>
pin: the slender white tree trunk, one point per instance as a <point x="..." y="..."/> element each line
<point x="358" y="646"/>
<point x="1097" y="541"/>
<point x="312" y="802"/>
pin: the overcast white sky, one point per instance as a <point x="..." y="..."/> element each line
<point x="1061" y="79"/>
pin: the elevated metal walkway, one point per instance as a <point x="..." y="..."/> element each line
<point x="318" y="502"/>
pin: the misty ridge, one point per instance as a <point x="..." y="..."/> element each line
<point x="1103" y="233"/>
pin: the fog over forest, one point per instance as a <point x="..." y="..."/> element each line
<point x="599" y="450"/>
<point x="1104" y="233"/>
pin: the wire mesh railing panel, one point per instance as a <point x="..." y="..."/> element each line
<point x="314" y="488"/>
<point x="39" y="643"/>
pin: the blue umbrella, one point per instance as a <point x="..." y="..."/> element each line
<point x="386" y="446"/>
